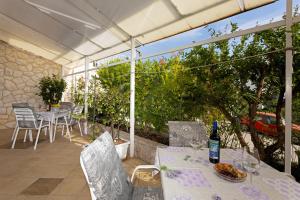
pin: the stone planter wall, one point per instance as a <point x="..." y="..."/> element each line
<point x="144" y="149"/>
<point x="20" y="72"/>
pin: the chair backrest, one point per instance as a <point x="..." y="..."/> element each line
<point x="103" y="170"/>
<point x="66" y="105"/>
<point x="25" y="117"/>
<point x="77" y="110"/>
<point x="182" y="132"/>
<point x="20" y="105"/>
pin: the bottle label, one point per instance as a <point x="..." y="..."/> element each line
<point x="214" y="149"/>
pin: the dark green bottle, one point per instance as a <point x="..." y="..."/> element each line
<point x="214" y="144"/>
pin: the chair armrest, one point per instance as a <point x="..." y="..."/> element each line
<point x="143" y="167"/>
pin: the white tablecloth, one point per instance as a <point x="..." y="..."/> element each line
<point x="188" y="175"/>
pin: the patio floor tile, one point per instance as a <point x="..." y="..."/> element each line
<point x="43" y="186"/>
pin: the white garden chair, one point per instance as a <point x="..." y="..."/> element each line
<point x="106" y="177"/>
<point x="62" y="118"/>
<point x="27" y="120"/>
<point x="76" y="116"/>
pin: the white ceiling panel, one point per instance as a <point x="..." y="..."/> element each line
<point x="187" y="7"/>
<point x="87" y="48"/>
<point x="17" y="42"/>
<point x="148" y="18"/>
<point x="225" y="9"/>
<point x="249" y="4"/>
<point x="106" y="39"/>
<point x="65" y="7"/>
<point x="71" y="55"/>
<point x="109" y="52"/>
<point x="61" y="61"/>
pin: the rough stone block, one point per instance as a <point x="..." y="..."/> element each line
<point x="18" y="74"/>
<point x="8" y="72"/>
<point x="4" y="116"/>
<point x="5" y="93"/>
<point x="10" y="124"/>
<point x="16" y="92"/>
<point x="9" y="85"/>
<point x="2" y="111"/>
<point x="8" y="100"/>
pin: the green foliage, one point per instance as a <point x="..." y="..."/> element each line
<point x="111" y="88"/>
<point x="51" y="89"/>
<point x="78" y="92"/>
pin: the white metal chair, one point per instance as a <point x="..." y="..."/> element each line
<point x="18" y="105"/>
<point x="106" y="177"/>
<point x="62" y="119"/>
<point x="27" y="120"/>
<point x="76" y="116"/>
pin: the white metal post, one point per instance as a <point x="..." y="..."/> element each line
<point x="62" y="76"/>
<point x="132" y="96"/>
<point x="288" y="87"/>
<point x="72" y="91"/>
<point x="86" y="82"/>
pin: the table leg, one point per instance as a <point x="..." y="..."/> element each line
<point x="51" y="132"/>
<point x="51" y="129"/>
<point x="30" y="135"/>
<point x="67" y="125"/>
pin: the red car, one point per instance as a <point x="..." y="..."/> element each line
<point x="265" y="123"/>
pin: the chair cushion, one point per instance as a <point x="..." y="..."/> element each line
<point x="147" y="193"/>
<point x="20" y="105"/>
<point x="104" y="170"/>
<point x="182" y="132"/>
<point x="66" y="105"/>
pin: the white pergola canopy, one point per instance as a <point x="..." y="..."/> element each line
<point x="68" y="30"/>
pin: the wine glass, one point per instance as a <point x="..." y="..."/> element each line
<point x="238" y="157"/>
<point x="251" y="162"/>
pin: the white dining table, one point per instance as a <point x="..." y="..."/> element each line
<point x="187" y="174"/>
<point x="51" y="116"/>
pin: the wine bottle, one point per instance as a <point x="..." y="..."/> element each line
<point x="214" y="144"/>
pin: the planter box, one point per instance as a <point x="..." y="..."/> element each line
<point x="122" y="149"/>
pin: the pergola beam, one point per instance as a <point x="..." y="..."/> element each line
<point x="132" y="96"/>
<point x="86" y="90"/>
<point x="288" y="86"/>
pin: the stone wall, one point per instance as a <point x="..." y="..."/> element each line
<point x="20" y="72"/>
<point x="144" y="149"/>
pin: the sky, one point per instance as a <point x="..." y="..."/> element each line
<point x="249" y="19"/>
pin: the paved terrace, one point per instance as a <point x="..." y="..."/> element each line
<point x="52" y="172"/>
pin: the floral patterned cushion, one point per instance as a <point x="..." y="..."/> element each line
<point x="182" y="132"/>
<point x="147" y="193"/>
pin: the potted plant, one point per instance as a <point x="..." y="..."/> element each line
<point x="51" y="90"/>
<point x="111" y="104"/>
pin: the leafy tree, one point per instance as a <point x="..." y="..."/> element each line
<point x="236" y="86"/>
<point x="112" y="90"/>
